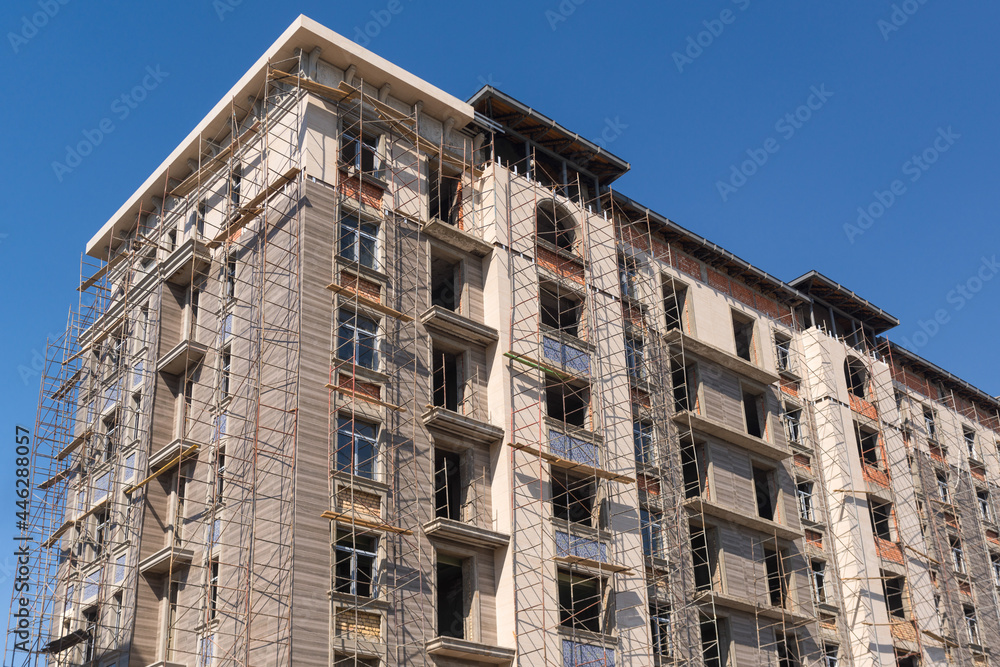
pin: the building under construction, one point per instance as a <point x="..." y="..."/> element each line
<point x="364" y="375"/>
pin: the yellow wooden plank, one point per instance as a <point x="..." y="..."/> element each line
<point x="253" y="208"/>
<point x="363" y="523"/>
<point x="369" y="303"/>
<point x="167" y="466"/>
<point x="566" y="464"/>
<point x="363" y="397"/>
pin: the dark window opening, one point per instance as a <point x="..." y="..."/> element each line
<point x="446" y="282"/>
<point x="777" y="578"/>
<point x="868" y="447"/>
<point x="628" y="276"/>
<point x="763" y="484"/>
<point x="447" y="379"/>
<point x="788" y="651"/>
<point x="90" y="617"/>
<point x="753" y="410"/>
<point x="743" y="333"/>
<point x="713" y="649"/>
<point x="692" y="466"/>
<point x="213" y="589"/>
<point x="363" y="154"/>
<point x="573" y="498"/>
<point x="354" y="564"/>
<point x="450" y="598"/>
<point x="683" y="378"/>
<point x="235" y="182"/>
<point x="445" y="196"/>
<point x="102" y="532"/>
<point x="560" y="311"/>
<point x="881" y="516"/>
<point x="447" y="485"/>
<point x="554" y="225"/>
<point x="567" y="403"/>
<point x="783" y="352"/>
<point x="857" y="377"/>
<point x="893" y="589"/>
<point x="580" y="601"/>
<point x="674" y="297"/>
<point x="703" y="558"/>
<point x="510" y="152"/>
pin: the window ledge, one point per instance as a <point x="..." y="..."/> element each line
<point x="711" y="599"/>
<point x="733" y="436"/>
<point x="456" y="237"/>
<point x="451" y="647"/>
<point x="183" y="355"/>
<point x="166" y="559"/>
<point x="190" y="259"/>
<point x="453" y="423"/>
<point x="358" y="602"/>
<point x="789" y="374"/>
<point x="168" y="454"/>
<point x="562" y="252"/>
<point x="721" y="357"/>
<point x="459" y="531"/>
<point x="759" y="524"/>
<point x="449" y="322"/>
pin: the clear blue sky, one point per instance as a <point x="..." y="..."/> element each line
<point x="683" y="121"/>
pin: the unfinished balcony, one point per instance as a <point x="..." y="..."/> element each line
<point x="721" y="357"/>
<point x="166" y="560"/>
<point x="190" y="260"/>
<point x="732" y="435"/>
<point x="446" y="321"/>
<point x="465" y="650"/>
<point x="181" y="357"/>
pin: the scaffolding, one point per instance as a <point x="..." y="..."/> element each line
<point x="210" y="339"/>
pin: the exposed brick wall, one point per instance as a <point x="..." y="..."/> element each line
<point x="719" y="281"/>
<point x="803" y="461"/>
<point x="904" y="630"/>
<point x="889" y="551"/>
<point x="365" y="288"/>
<point x="876" y="476"/>
<point x="638" y="237"/>
<point x="352" y="501"/>
<point x="358" y="624"/>
<point x="366" y="193"/>
<point x="650" y="485"/>
<point x="742" y="294"/>
<point x="863" y="407"/>
<point x="814" y="538"/>
<point x="640" y="398"/>
<point x="363" y="388"/>
<point x="561" y="266"/>
<point x="789" y="387"/>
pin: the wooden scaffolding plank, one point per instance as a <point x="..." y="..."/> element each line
<point x="101" y="272"/>
<point x="593" y="564"/>
<point x="363" y="397"/>
<point x="166" y="466"/>
<point x="573" y="466"/>
<point x="369" y="303"/>
<point x="253" y="208"/>
<point x="540" y="365"/>
<point x="348" y="519"/>
<point x="74" y="443"/>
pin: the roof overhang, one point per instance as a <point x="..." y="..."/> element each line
<point x="306" y="34"/>
<point x="898" y="352"/>
<point x="521" y="119"/>
<point x="709" y="252"/>
<point x="838" y="296"/>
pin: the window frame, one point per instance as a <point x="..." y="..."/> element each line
<point x="352" y="338"/>
<point x="347" y="427"/>
<point x="359" y="244"/>
<point x="346" y="542"/>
